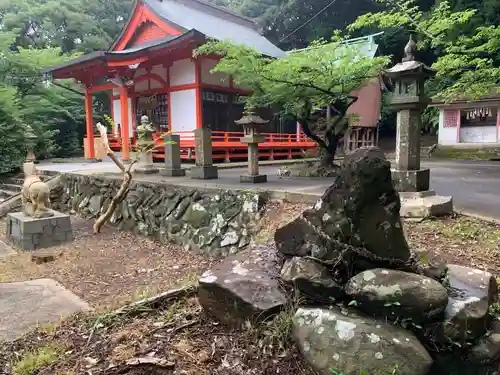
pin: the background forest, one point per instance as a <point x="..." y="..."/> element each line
<point x="36" y="34"/>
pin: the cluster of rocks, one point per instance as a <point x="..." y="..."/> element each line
<point x="367" y="304"/>
<point x="217" y="224"/>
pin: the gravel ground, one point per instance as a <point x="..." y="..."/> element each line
<point x="109" y="269"/>
<point x="180" y="337"/>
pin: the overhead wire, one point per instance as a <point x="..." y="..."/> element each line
<point x="308" y="21"/>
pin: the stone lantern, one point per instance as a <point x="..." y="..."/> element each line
<point x="30" y="144"/>
<point x="251" y="124"/>
<point x="146" y="145"/>
<point x="409" y="100"/>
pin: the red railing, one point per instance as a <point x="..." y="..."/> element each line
<point x="227" y="145"/>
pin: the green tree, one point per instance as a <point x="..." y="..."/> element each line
<point x="12" y="131"/>
<point x="72" y="25"/>
<point x="302" y="83"/>
<point x="466" y="60"/>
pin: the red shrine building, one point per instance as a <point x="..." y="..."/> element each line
<point x="150" y="70"/>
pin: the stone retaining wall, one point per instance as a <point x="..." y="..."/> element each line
<point x="218" y="223"/>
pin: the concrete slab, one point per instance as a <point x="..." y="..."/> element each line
<point x="425" y="205"/>
<point x="29" y="304"/>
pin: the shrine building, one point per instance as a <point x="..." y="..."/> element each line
<point x="150" y="70"/>
<point x="469" y="122"/>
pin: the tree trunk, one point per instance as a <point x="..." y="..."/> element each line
<point x="328" y="153"/>
<point x="123" y="191"/>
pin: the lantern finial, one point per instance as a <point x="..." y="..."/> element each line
<point x="410" y="49"/>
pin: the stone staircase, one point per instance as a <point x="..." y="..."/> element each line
<point x="10" y="185"/>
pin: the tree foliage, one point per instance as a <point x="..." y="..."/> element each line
<point x="72" y="25"/>
<point x="466" y="60"/>
<point x="303" y="82"/>
<point x="37" y="34"/>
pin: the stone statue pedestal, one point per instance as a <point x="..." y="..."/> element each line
<point x="204" y="168"/>
<point x="29" y="233"/>
<point x="145" y="164"/>
<point x="173" y="166"/>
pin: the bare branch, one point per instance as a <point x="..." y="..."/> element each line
<point x="104" y="139"/>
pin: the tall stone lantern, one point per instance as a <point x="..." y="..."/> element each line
<point x="409" y="100"/>
<point x="252" y="124"/>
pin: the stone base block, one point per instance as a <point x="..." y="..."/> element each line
<point x="254" y="179"/>
<point x="149" y="169"/>
<point x="28" y="233"/>
<point x="206" y="172"/>
<point x="425" y="204"/>
<point x="411" y="181"/>
<point x="177" y="172"/>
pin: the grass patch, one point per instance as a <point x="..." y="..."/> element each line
<point x="476" y="153"/>
<point x="30" y="362"/>
<point x="468" y="230"/>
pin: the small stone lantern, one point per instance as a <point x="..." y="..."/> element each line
<point x="251" y="124"/>
<point x="409" y="100"/>
<point x="30" y="144"/>
<point x="146" y="145"/>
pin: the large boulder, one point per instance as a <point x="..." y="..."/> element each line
<point x="243" y="287"/>
<point x="466" y="317"/>
<point x="348" y="343"/>
<point x="356" y="221"/>
<point x="312" y="279"/>
<point x="396" y="294"/>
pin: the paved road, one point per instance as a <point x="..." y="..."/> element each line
<point x="474" y="185"/>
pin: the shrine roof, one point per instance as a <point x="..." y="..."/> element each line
<point x="366" y="45"/>
<point x="212" y="21"/>
<point x="101" y="57"/>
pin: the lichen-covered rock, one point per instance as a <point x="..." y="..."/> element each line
<point x="486" y="350"/>
<point x="243" y="287"/>
<point x="466" y="317"/>
<point x="312" y="279"/>
<point x="217" y="224"/>
<point x="350" y="343"/>
<point x="396" y="294"/>
<point x="357" y="219"/>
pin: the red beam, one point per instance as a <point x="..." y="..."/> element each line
<point x="103" y="87"/>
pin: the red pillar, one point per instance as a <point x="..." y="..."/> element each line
<point x="89" y="124"/>
<point x="124" y="124"/>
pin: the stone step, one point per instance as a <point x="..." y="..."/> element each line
<point x="6" y="193"/>
<point x="13" y="188"/>
<point x="17" y="180"/>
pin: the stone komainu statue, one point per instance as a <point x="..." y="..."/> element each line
<point x="35" y="194"/>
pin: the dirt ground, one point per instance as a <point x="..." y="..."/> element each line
<point x="109" y="269"/>
<point x="180" y="338"/>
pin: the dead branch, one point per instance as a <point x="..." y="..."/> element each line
<point x="109" y="152"/>
<point x="124" y="188"/>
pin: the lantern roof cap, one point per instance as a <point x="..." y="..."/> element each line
<point x="409" y="65"/>
<point x="250" y="118"/>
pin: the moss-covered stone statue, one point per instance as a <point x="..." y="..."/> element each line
<point x="145" y="146"/>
